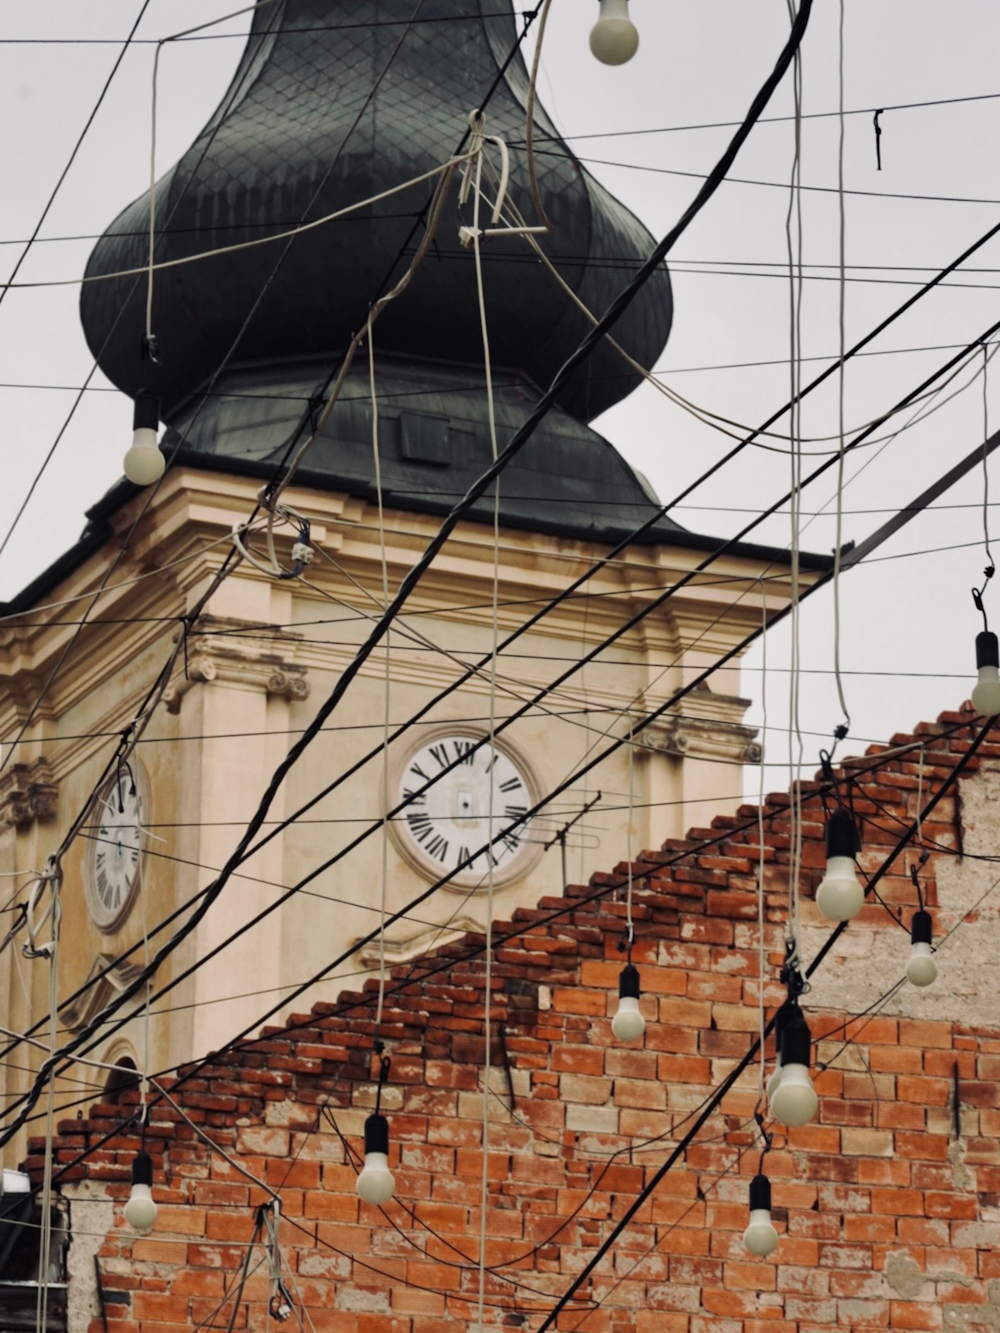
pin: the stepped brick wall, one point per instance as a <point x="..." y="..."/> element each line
<point x="888" y="1205"/>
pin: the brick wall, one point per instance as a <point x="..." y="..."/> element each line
<point x="888" y="1206"/>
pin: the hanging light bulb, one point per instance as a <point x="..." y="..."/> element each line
<point x="614" y="38"/>
<point x="841" y="895"/>
<point x="986" y="693"/>
<point x="375" y="1182"/>
<point x="144" y="463"/>
<point x="760" y="1236"/>
<point x="794" y="1101"/>
<point x="141" y="1210"/>
<point x="628" y="1023"/>
<point x="780" y="1023"/>
<point x="921" y="969"/>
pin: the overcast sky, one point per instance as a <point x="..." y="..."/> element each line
<point x="909" y="623"/>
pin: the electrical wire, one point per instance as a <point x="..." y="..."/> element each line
<point x="416" y="572"/>
<point x="666" y="705"/>
<point x="715" y="1097"/>
<point x="129" y="41"/>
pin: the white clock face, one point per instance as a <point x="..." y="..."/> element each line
<point x="112" y="874"/>
<point x="445" y="825"/>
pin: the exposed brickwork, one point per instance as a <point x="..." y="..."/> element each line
<point x="886" y="1219"/>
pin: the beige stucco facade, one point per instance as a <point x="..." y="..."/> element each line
<point x="257" y="666"/>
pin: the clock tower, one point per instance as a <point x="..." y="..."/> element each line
<point x="334" y="104"/>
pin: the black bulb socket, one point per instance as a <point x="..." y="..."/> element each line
<point x="921" y="928"/>
<point x="842" y="836"/>
<point x="628" y="982"/>
<point x="142" y="1169"/>
<point x="796" y="1042"/>
<point x="987" y="649"/>
<point x="376" y="1134"/>
<point x="147" y="411"/>
<point x="760" y="1193"/>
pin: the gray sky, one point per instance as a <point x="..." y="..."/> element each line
<point x="697" y="63"/>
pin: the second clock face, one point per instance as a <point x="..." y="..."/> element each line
<point x="450" y="822"/>
<point x="112" y="874"/>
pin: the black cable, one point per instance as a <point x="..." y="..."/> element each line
<point x="84" y="1034"/>
<point x="745" y="1060"/>
<point x="714" y="1098"/>
<point x="773" y="185"/>
<point x="4" y="287"/>
<point x="414" y="576"/>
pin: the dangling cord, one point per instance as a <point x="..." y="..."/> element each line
<point x="795" y="742"/>
<point x="280" y="1304"/>
<point x="149" y="349"/>
<point x="766" y="1139"/>
<point x="761" y="952"/>
<point x="840" y="386"/>
<point x="487" y="1006"/>
<point x="384" y="1065"/>
<point x="386" y="803"/>
<point x="45" y="1253"/>
<point x="628" y="834"/>
<point x="529" y="136"/>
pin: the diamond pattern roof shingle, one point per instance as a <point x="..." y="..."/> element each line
<point x="281" y="148"/>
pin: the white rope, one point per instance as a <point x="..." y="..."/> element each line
<point x="386" y="802"/>
<point x="487" y="1002"/>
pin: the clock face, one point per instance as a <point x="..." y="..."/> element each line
<point x="445" y="825"/>
<point x="112" y="874"/>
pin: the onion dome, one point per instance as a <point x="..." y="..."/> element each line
<point x="333" y="102"/>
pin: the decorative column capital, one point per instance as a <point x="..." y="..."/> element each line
<point x="28" y="794"/>
<point x="228" y="652"/>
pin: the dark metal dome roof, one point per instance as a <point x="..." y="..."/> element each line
<point x="281" y="148"/>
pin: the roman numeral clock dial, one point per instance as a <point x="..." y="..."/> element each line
<point x="449" y="823"/>
<point x="111" y="874"/>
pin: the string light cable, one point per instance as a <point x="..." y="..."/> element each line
<point x="163" y="680"/>
<point x="864" y="549"/>
<point x="716" y="1097"/>
<point x="727" y="1083"/>
<point x="520" y="437"/>
<point x="859" y="553"/>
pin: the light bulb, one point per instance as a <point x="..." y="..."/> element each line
<point x="628" y="1023"/>
<point x="840" y="896"/>
<point x="375" y="1182"/>
<point x="794" y="1101"/>
<point x="144" y="463"/>
<point x="775" y="1079"/>
<point x="141" y="1210"/>
<point x="781" y="1018"/>
<point x="614" y="38"/>
<point x="986" y="694"/>
<point x="921" y="969"/>
<point x="760" y="1236"/>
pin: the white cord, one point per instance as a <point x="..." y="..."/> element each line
<point x="842" y="312"/>
<point x="487" y="1006"/>
<point x="388" y="686"/>
<point x="986" y="467"/>
<point x="244" y="245"/>
<point x="45" y="1252"/>
<point x="795" y="753"/>
<point x="761" y="952"/>
<point x="628" y="833"/>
